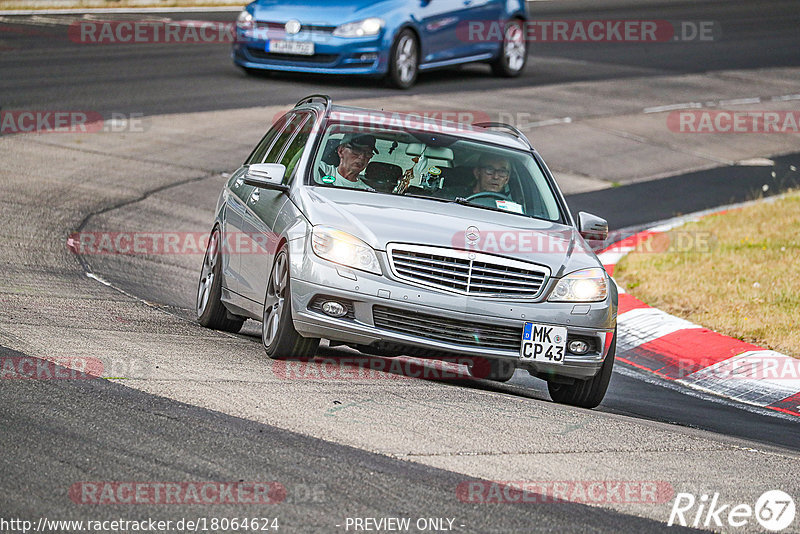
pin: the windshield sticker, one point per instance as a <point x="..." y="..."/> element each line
<point x="434" y="171"/>
<point x="508" y="205"/>
<point x="328" y="179"/>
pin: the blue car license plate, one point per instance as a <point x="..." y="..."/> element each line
<point x="300" y="48"/>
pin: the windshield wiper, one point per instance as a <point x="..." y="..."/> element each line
<point x="440" y="199"/>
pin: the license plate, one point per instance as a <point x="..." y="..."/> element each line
<point x="543" y="343"/>
<point x="300" y="48"/>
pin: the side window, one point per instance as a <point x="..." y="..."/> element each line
<point x="257" y="156"/>
<point x="294" y="151"/>
<point x="274" y="154"/>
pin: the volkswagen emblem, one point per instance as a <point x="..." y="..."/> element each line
<point x="472" y="234"/>
<point x="293" y="27"/>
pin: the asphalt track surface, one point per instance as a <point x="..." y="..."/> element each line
<point x="98" y="430"/>
<point x="42" y="68"/>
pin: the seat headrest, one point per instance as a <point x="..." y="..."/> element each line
<point x="330" y="155"/>
<point x="382" y="176"/>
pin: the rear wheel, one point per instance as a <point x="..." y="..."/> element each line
<point x="278" y="335"/>
<point x="404" y="61"/>
<point x="586" y="393"/>
<point x="514" y="54"/>
<point x="211" y="313"/>
<point x="491" y="369"/>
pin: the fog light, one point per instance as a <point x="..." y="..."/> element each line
<point x="578" y="346"/>
<point x="334" y="309"/>
<point x="368" y="57"/>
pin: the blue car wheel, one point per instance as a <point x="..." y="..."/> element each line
<point x="404" y="60"/>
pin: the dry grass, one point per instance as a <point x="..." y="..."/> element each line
<point x="737" y="273"/>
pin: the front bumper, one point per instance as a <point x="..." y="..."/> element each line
<point x="313" y="277"/>
<point x="332" y="55"/>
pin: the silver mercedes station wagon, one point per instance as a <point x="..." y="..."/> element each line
<point x="401" y="235"/>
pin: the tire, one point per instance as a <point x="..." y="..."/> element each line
<point x="586" y="393"/>
<point x="514" y="53"/>
<point x="404" y="61"/>
<point x="211" y="312"/>
<point x="278" y="335"/>
<point x="492" y="369"/>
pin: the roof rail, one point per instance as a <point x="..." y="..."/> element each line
<point x="310" y="98"/>
<point x="518" y="134"/>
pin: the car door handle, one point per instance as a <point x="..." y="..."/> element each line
<point x="255" y="196"/>
<point x="238" y="182"/>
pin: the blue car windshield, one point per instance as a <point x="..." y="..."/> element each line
<point x="449" y="168"/>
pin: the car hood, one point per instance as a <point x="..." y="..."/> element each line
<point x="319" y="12"/>
<point x="379" y="219"/>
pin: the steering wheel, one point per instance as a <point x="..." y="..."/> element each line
<point x="487" y="194"/>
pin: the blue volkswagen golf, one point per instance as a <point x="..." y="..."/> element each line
<point x="395" y="39"/>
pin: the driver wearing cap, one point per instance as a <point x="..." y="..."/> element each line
<point x="355" y="151"/>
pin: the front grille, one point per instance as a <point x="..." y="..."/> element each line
<point x="281" y="27"/>
<point x="296" y="58"/>
<point x="448" y="330"/>
<point x="468" y="273"/>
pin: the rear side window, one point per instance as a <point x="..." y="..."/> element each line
<point x="277" y="149"/>
<point x="260" y="152"/>
<point x="294" y="151"/>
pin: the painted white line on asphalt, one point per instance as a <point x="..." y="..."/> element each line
<point x="642" y="325"/>
<point x="785" y="98"/>
<point x="549" y="122"/>
<point x="740" y="101"/>
<point x="672" y="107"/>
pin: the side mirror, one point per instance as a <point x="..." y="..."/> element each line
<point x="266" y="176"/>
<point x="592" y="227"/>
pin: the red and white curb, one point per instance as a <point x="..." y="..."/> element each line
<point x="680" y="351"/>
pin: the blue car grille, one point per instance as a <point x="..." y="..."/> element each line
<point x="467" y="273"/>
<point x="447" y="330"/>
<point x="281" y="27"/>
<point x="294" y="58"/>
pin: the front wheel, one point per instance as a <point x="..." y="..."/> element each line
<point x="514" y="54"/>
<point x="586" y="393"/>
<point x="404" y="61"/>
<point x="278" y="335"/>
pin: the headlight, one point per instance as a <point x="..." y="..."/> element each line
<point x="244" y="20"/>
<point x="362" y="28"/>
<point x="588" y="285"/>
<point x="344" y="249"/>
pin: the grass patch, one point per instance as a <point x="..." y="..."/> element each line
<point x="737" y="273"/>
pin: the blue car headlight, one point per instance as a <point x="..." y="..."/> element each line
<point x="361" y="28"/>
<point x="245" y="20"/>
<point x="342" y="248"/>
<point x="587" y="285"/>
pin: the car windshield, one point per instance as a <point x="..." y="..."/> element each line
<point x="439" y="167"/>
